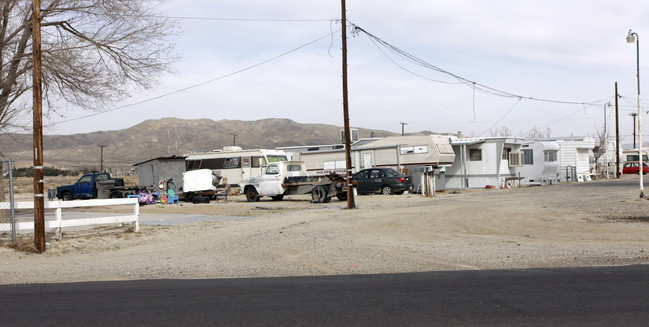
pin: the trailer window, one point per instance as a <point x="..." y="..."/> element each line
<point x="528" y="157"/>
<point x="193" y="164"/>
<point x="550" y="156"/>
<point x="475" y="154"/>
<point x="258" y="161"/>
<point x="293" y="167"/>
<point x="276" y="158"/>
<point x="231" y="163"/>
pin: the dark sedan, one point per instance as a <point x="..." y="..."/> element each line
<point x="382" y="180"/>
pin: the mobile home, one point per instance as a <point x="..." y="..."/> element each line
<point x="406" y="153"/>
<point x="576" y="159"/>
<point x="233" y="163"/>
<point x="485" y="162"/>
<point x="540" y="163"/>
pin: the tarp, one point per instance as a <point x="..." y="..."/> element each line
<point x="198" y="180"/>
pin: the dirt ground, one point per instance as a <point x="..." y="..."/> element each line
<point x="595" y="223"/>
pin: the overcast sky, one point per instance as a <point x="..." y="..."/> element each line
<point x="569" y="51"/>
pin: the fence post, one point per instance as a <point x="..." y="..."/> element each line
<point x="11" y="202"/>
<point x="136" y="211"/>
<point x="58" y="216"/>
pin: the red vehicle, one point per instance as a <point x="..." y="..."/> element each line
<point x="632" y="168"/>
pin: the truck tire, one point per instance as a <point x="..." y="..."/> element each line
<point x="67" y="196"/>
<point x="342" y="196"/>
<point x="115" y="195"/>
<point x="319" y="194"/>
<point x="189" y="196"/>
<point x="201" y="199"/>
<point x="251" y="194"/>
<point x="277" y="197"/>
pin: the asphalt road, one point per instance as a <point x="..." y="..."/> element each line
<point x="610" y="296"/>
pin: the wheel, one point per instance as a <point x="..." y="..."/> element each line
<point x="252" y="195"/>
<point x="277" y="197"/>
<point x="115" y="195"/>
<point x="327" y="199"/>
<point x="386" y="190"/>
<point x="319" y="194"/>
<point x="201" y="199"/>
<point x="67" y="196"/>
<point x="342" y="196"/>
<point x="189" y="196"/>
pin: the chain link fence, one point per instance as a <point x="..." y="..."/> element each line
<point x="6" y="225"/>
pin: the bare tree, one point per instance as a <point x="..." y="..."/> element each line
<point x="94" y="52"/>
<point x="600" y="149"/>
<point x="500" y="131"/>
<point x="537" y="133"/>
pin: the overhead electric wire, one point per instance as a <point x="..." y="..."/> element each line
<point x="477" y="86"/>
<point x="230" y="19"/>
<point x="501" y="118"/>
<point x="195" y="85"/>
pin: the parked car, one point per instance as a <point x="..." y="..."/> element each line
<point x="381" y="180"/>
<point x="632" y="168"/>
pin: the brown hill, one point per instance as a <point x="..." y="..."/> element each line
<point x="167" y="136"/>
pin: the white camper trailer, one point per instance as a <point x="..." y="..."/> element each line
<point x="233" y="163"/>
<point x="540" y="163"/>
<point x="576" y="160"/>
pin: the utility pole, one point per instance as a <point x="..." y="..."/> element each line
<point x="39" y="197"/>
<point x="101" y="169"/>
<point x="234" y="139"/>
<point x="617" y="137"/>
<point x="402" y="128"/>
<point x="348" y="158"/>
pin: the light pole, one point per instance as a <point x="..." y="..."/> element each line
<point x="634" y="114"/>
<point x="606" y="139"/>
<point x="630" y="38"/>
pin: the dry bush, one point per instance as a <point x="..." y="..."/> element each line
<point x="24" y="244"/>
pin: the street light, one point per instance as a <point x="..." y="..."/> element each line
<point x="606" y="139"/>
<point x="630" y="38"/>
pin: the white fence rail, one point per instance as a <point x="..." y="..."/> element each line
<point x="58" y="222"/>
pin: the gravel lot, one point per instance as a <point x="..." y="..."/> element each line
<point x="596" y="223"/>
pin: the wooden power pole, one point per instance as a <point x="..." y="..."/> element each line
<point x="101" y="159"/>
<point x="348" y="159"/>
<point x="39" y="196"/>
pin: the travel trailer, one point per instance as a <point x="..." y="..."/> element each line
<point x="409" y="154"/>
<point x="233" y="163"/>
<point x="576" y="160"/>
<point x="540" y="163"/>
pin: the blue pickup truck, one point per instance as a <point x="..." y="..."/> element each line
<point x="96" y="186"/>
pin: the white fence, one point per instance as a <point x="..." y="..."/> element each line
<point x="58" y="223"/>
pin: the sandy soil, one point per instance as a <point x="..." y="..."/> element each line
<point x="578" y="224"/>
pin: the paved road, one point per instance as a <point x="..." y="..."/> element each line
<point x="614" y="296"/>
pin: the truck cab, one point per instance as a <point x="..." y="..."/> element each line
<point x="278" y="179"/>
<point x="87" y="187"/>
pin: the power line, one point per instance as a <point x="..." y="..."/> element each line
<point x="196" y="85"/>
<point x="475" y="85"/>
<point x="271" y="20"/>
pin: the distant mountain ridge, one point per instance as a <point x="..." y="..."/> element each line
<point x="168" y="136"/>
